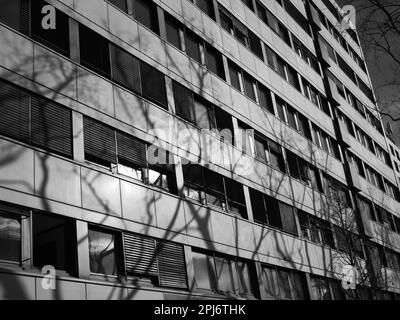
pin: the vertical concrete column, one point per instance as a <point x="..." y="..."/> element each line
<point x="248" y="203"/>
<point x="74" y="40"/>
<point x="273" y="96"/>
<point x="261" y="280"/>
<point x="180" y="182"/>
<point x="237" y="133"/>
<point x="216" y="11"/>
<point x="26" y="253"/>
<point x="189" y="267"/>
<point x="77" y="131"/>
<point x="82" y="238"/>
<point x="226" y="69"/>
<point x="170" y="95"/>
<point x="161" y="23"/>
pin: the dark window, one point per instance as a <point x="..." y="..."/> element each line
<point x="207" y="7"/>
<point x="146" y="13"/>
<point x="99" y="141"/>
<point x="173" y="31"/>
<point x="193" y="44"/>
<point x="11" y="14"/>
<point x="121" y="4"/>
<point x="51" y="126"/>
<point x="265" y="98"/>
<point x="10" y="237"/>
<point x="284" y="284"/>
<point x="293" y="78"/>
<point x="320" y="289"/>
<point x="125" y="69"/>
<point x="58" y="38"/>
<point x="104" y="251"/>
<point x="184" y="102"/>
<point x="54" y="242"/>
<point x="212" y="188"/>
<point x="267" y="210"/>
<point x="234" y="72"/>
<point x="214" y="61"/>
<point x="94" y="51"/>
<point x="41" y="122"/>
<point x="221" y="274"/>
<point x="249" y="86"/>
<point x="153" y="84"/>
<point x="255" y="45"/>
<point x="14" y="110"/>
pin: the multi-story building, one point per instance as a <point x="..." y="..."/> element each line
<point x="93" y="94"/>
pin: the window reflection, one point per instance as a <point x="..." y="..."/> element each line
<point x="10" y="238"/>
<point x="102" y="253"/>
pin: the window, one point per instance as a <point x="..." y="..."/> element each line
<point x="293" y="78"/>
<point x="12" y="15"/>
<point x="302" y="170"/>
<point x="265" y="98"/>
<point x="206" y="6"/>
<point x="315" y="229"/>
<point x="58" y="38"/>
<point x="139" y="257"/>
<point x="269" y="152"/>
<point x="193" y="44"/>
<point x="97" y="60"/>
<point x="103" y="252"/>
<point x="267" y="210"/>
<point x="162" y="262"/>
<point x="320" y="289"/>
<point x="173" y="28"/>
<point x="284" y="284"/>
<point x="153" y="84"/>
<point x="121" y="4"/>
<point x="235" y="75"/>
<point x="35" y="120"/>
<point x="269" y="19"/>
<point x="349" y="242"/>
<point x="297" y="16"/>
<point x="214" y="61"/>
<point x="10" y="237"/>
<point x="211" y="188"/>
<point x="125" y="69"/>
<point x="198" y="111"/>
<point x="145" y="12"/>
<point x="54" y="242"/>
<point x="224" y="275"/>
<point x="249" y="86"/>
<point x="126" y="155"/>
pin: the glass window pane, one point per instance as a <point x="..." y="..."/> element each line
<point x="246" y="283"/>
<point x="52" y="242"/>
<point x="102" y="253"/>
<point x="146" y="14"/>
<point x="284" y="285"/>
<point x="203" y="271"/>
<point x="299" y="286"/>
<point x="173" y="35"/>
<point x="10" y="238"/>
<point x="225" y="274"/>
<point x="153" y="84"/>
<point x="270" y="274"/>
<point x="193" y="46"/>
<point x="201" y="114"/>
<point x="58" y="38"/>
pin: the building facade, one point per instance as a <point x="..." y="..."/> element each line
<point x="191" y="149"/>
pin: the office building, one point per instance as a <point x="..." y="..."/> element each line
<point x="202" y="149"/>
